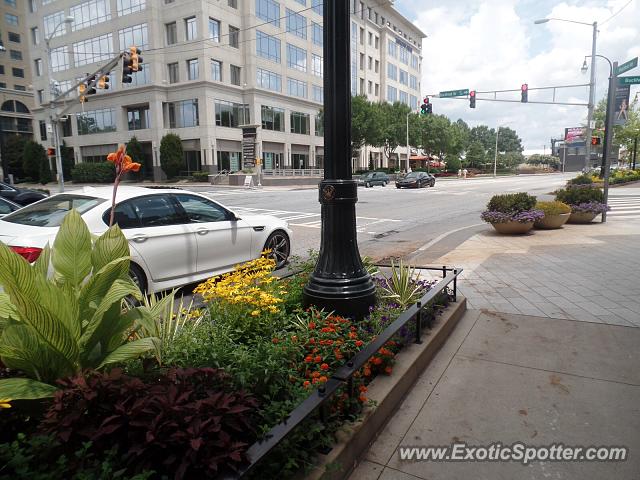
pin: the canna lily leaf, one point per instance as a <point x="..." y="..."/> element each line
<point x="71" y="256"/>
<point x="25" y="389"/>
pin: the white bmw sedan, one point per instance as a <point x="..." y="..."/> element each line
<point x="176" y="237"/>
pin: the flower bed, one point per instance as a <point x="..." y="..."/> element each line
<point x="512" y="213"/>
<point x="191" y="390"/>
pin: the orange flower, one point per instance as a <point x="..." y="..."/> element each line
<point x="363" y="388"/>
<point x="315" y="374"/>
<point x="388" y="370"/>
<point x="275" y="340"/>
<point x="359" y="343"/>
<point x="306" y="383"/>
<point x="317" y="359"/>
<point x="312" y="325"/>
<point x="308" y="359"/>
<point x="362" y="398"/>
<point x="353" y="335"/>
<point x="377" y="361"/>
<point x="367" y="372"/>
<point x="323" y="379"/>
<point x="324" y="367"/>
<point x="122" y="161"/>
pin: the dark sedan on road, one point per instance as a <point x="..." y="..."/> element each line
<point x="373" y="178"/>
<point x="416" y="180"/>
<point x="21" y="196"/>
<point x="7" y="206"/>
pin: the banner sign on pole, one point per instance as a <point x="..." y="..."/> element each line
<point x="574" y="134"/>
<point x="621" y="110"/>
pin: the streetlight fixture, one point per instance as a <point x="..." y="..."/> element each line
<point x="52" y="108"/>
<point x="592" y="82"/>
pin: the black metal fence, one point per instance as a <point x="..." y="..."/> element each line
<point x="344" y="375"/>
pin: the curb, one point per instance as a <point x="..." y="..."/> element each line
<point x="387" y="393"/>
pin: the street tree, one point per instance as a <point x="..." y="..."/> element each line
<point x="508" y="140"/>
<point x="393" y="127"/>
<point x="475" y="155"/>
<point x="365" y="123"/>
<point x="12" y="150"/>
<point x="33" y="155"/>
<point x="134" y="150"/>
<point x="68" y="160"/>
<point x="171" y="155"/>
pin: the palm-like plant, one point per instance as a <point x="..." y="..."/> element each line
<point x="54" y="326"/>
<point x="401" y="286"/>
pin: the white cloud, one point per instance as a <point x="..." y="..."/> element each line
<point x="494" y="45"/>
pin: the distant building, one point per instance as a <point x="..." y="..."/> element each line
<point x="210" y="67"/>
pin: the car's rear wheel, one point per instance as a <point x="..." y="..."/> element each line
<point x="280" y="246"/>
<point x="138" y="277"/>
<point x="368" y="185"/>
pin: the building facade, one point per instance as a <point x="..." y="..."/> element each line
<point x="210" y="67"/>
<point x="16" y="99"/>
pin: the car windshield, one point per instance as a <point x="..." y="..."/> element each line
<point x="412" y="175"/>
<point x="51" y="211"/>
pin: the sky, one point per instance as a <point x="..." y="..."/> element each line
<point x="488" y="45"/>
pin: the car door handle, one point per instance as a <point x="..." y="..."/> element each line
<point x="139" y="238"/>
<point x="202" y="231"/>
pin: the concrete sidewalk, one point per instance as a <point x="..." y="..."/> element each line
<point x="548" y="353"/>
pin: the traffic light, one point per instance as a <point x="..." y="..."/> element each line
<point x="429" y="108"/>
<point x="51" y="152"/>
<point x="524" y="93"/>
<point x="425" y="108"/>
<point x="136" y="59"/>
<point x="91" y="85"/>
<point x="126" y="68"/>
<point x="472" y="99"/>
<point x="103" y="83"/>
<point x="595" y="140"/>
<point x="82" y="91"/>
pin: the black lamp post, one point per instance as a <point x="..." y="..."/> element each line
<point x="339" y="283"/>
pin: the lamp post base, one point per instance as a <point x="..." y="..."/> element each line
<point x="340" y="283"/>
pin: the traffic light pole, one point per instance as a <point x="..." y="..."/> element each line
<point x="608" y="133"/>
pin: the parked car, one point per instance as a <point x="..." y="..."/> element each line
<point x="176" y="237"/>
<point x="21" y="196"/>
<point x="416" y="180"/>
<point x="7" y="206"/>
<point x="373" y="178"/>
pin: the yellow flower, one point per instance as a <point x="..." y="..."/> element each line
<point x="4" y="403"/>
<point x="255" y="313"/>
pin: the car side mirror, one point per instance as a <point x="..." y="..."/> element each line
<point x="233" y="217"/>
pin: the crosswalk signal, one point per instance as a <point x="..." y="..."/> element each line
<point x="472" y="99"/>
<point x="51" y="152"/>
<point x="425" y="108"/>
<point x="595" y="140"/>
<point x="524" y="93"/>
<point x="103" y="83"/>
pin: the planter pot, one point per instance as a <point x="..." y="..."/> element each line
<point x="552" y="221"/>
<point x="582" y="217"/>
<point x="512" y="228"/>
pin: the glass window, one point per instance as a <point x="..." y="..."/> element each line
<point x="17" y="72"/>
<point x="11" y="3"/>
<point x="214" y="29"/>
<point x="267" y="46"/>
<point x="404" y="97"/>
<point x="297" y="88"/>
<point x="172" y="33"/>
<point x="89" y="13"/>
<point x="413" y="82"/>
<point x="6" y="208"/>
<point x="296" y="24"/>
<point x="234" y="37"/>
<point x="316" y="65"/>
<point x="318" y="94"/>
<point x="32" y="6"/>
<point x="125" y="7"/>
<point x="229" y="114"/>
<point x="414" y="62"/>
<point x="35" y="36"/>
<point x="216" y="70"/>
<point x="413" y="102"/>
<point x="393" y="49"/>
<point x="272" y="118"/>
<point x="296" y="58"/>
<point x="93" y="50"/>
<point x="269" y="11"/>
<point x="50" y="212"/>
<point x="299" y="123"/>
<point x="232" y="3"/>
<point x="404" y="54"/>
<point x="137" y="35"/>
<point x="40" y="96"/>
<point x="11" y="19"/>
<point x="316" y="33"/>
<point x="183" y="114"/>
<point x="192" y="69"/>
<point x="138" y="118"/>
<point x="54" y="23"/>
<point x="191" y="28"/>
<point x="268" y="80"/>
<point x="97" y="121"/>
<point x="319" y="126"/>
<point x="392" y="94"/>
<point x="43" y="130"/>
<point x="234" y="74"/>
<point x="316" y="6"/>
<point x="1" y="69"/>
<point x="173" y="70"/>
<point x="200" y="210"/>
<point x="59" y="59"/>
<point x="392" y="71"/>
<point x="157" y="211"/>
<point x="15" y="54"/>
<point x="404" y="77"/>
<point x="14" y="37"/>
<point x="124" y="216"/>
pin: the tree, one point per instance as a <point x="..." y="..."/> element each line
<point x="171" y="155"/>
<point x="475" y="155"/>
<point x="508" y="140"/>
<point x="68" y="159"/>
<point x="12" y="150"/>
<point x="453" y="164"/>
<point x="44" y="175"/>
<point x="134" y="150"/>
<point x="32" y="157"/>
<point x="484" y="135"/>
<point x="393" y="128"/>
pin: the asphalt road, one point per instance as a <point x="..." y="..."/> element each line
<point x="390" y="222"/>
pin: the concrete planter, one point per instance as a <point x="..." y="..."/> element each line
<point x="552" y="221"/>
<point x="582" y="217"/>
<point x="512" y="228"/>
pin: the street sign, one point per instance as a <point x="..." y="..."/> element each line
<point x="629" y="80"/>
<point x="625" y="67"/>
<point x="454" y="93"/>
<point x="622" y="105"/>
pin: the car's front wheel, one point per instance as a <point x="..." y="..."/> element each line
<point x="280" y="246"/>
<point x="368" y="185"/>
<point x="138" y="277"/>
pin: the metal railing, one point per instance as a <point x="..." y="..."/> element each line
<point x="344" y="375"/>
<point x="214" y="178"/>
<point x="293" y="172"/>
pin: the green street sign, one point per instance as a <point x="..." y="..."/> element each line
<point x="454" y="93"/>
<point x="629" y="80"/>
<point x="625" y="67"/>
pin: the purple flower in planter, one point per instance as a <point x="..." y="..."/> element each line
<point x="521" y="217"/>
<point x="590" y="207"/>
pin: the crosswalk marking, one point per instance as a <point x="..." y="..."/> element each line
<point x="232" y="191"/>
<point x="624" y="207"/>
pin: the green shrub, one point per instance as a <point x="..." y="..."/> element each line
<point x="553" y="208"/>
<point x="200" y="176"/>
<point x="578" y="195"/>
<point x="171" y="155"/>
<point x="584" y="179"/>
<point x="103" y="172"/>
<point x="45" y="171"/>
<point x="511" y="203"/>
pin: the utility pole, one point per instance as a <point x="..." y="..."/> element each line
<point x="608" y="132"/>
<point x="635" y="151"/>
<point x="592" y="100"/>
